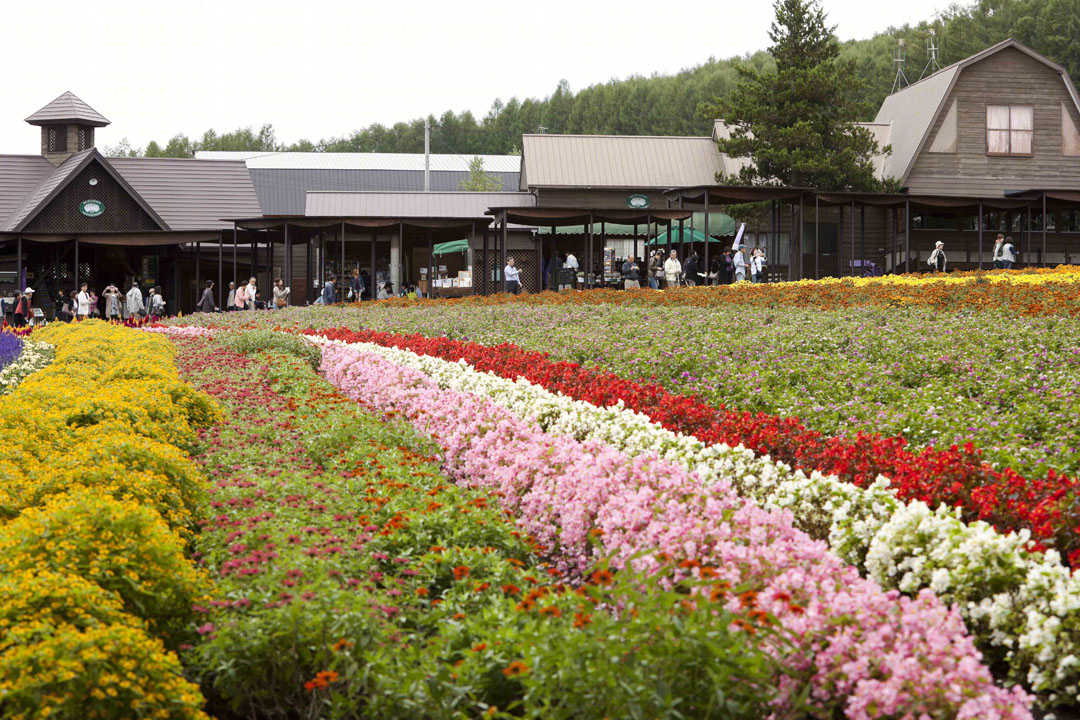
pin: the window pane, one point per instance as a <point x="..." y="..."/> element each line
<point x="1021" y="117"/>
<point x="1021" y="142"/>
<point x="997" y="117"/>
<point x="997" y="141"/>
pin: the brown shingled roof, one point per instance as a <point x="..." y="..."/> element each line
<point x="67" y="108"/>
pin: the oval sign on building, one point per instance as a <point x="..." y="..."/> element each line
<point x="638" y="202"/>
<point x="91" y="208"/>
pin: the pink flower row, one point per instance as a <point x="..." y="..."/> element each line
<point x="874" y="653"/>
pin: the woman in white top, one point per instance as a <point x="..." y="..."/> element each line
<point x="513" y="277"/>
<point x="83" y="300"/>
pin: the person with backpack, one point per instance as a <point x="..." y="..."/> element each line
<point x="23" y="308"/>
<point x="135" y="306"/>
<point x="937" y="259"/>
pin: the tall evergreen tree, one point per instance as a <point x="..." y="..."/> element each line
<point x="796" y="123"/>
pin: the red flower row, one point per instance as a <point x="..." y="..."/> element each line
<point x="1049" y="507"/>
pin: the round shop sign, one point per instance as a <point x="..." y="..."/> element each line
<point x="91" y="208"/>
<point x="638" y="202"/>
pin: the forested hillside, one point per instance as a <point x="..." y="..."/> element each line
<point x="685" y="103"/>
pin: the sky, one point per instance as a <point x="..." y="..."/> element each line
<point x="322" y="68"/>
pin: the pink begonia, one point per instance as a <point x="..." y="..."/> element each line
<point x="874" y="653"/>
<point x="178" y="330"/>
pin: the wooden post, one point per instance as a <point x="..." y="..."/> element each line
<point x="800" y="275"/>
<point x="980" y="226"/>
<point x="198" y="267"/>
<point x="588" y="256"/>
<point x="708" y="237"/>
<point x="907" y="235"/>
<point x="401" y="257"/>
<point x="472" y="243"/>
<point x="635" y="243"/>
<point x="553" y="283"/>
<point x="603" y="247"/>
<point x="19" y="267"/>
<point x="235" y="240"/>
<point x="817" y="237"/>
<point x="374" y="275"/>
<point x="254" y="255"/>
<point x="862" y="237"/>
<point x="289" y="279"/>
<point x="341" y="272"/>
<point x="431" y="263"/>
<point x="852" y="238"/>
<point x="1043" y="258"/>
<point x="220" y="268"/>
<point x="76" y="263"/>
<point x="502" y="245"/>
<point x="486" y="277"/>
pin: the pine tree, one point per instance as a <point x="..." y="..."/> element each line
<point x="479" y="181"/>
<point x="796" y="123"/>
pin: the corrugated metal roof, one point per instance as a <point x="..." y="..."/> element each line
<point x="464" y="205"/>
<point x="67" y="108"/>
<point x="45" y="188"/>
<point x="362" y="161"/>
<point x="911" y="112"/>
<point x="191" y="194"/>
<point x="282" y="192"/>
<point x="19" y="175"/>
<point x="610" y="161"/>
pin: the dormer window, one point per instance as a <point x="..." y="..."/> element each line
<point x="57" y="138"/>
<point x="1009" y="129"/>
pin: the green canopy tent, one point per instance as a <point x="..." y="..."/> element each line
<point x="719" y="226"/>
<point x="451" y="247"/>
<point x="689" y="235"/>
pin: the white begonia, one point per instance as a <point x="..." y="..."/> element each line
<point x="1021" y="605"/>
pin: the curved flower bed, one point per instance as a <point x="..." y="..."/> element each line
<point x="1049" y="508"/>
<point x="32" y="356"/>
<point x="865" y="650"/>
<point x="96" y="500"/>
<point x="1010" y="597"/>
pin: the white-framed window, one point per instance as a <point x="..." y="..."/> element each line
<point x="1009" y="129"/>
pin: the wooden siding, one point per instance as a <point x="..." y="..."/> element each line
<point x="1009" y="77"/>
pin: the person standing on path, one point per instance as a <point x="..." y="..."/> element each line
<point x="113" y="304"/>
<point x="631" y="273"/>
<point x="206" y="303"/>
<point x="672" y="271"/>
<point x="135" y="307"/>
<point x="83" y="299"/>
<point x="738" y="262"/>
<point x="240" y="296"/>
<point x="281" y="294"/>
<point x="513" y="277"/>
<point x="937" y="259"/>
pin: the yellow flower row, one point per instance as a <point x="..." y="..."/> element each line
<point x="1062" y="274"/>
<point x="97" y="500"/>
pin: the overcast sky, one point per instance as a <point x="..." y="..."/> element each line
<point x="321" y="68"/>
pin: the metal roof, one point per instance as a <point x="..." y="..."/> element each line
<point x="911" y="113"/>
<point x="67" y="108"/>
<point x="191" y="194"/>
<point x="363" y="161"/>
<point x="19" y="175"/>
<point x="283" y="192"/>
<point x="610" y="161"/>
<point x="882" y="133"/>
<point x="45" y="189"/>
<point x="463" y="205"/>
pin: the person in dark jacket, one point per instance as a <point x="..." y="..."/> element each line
<point x="631" y="273"/>
<point x="692" y="270"/>
<point x="206" y="302"/>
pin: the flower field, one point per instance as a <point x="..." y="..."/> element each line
<point x="815" y="500"/>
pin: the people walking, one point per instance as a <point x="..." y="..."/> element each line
<point x="135" y="307"/>
<point x="1004" y="253"/>
<point x="206" y="302"/>
<point x="240" y="296"/>
<point x="231" y="298"/>
<point x="328" y="290"/>
<point x="691" y="273"/>
<point x="156" y="302"/>
<point x="83" y="298"/>
<point x="631" y="273"/>
<point x="672" y="270"/>
<point x="23" y="307"/>
<point x="114" y="304"/>
<point x="281" y="294"/>
<point x="513" y="277"/>
<point x="656" y="269"/>
<point x="356" y="286"/>
<point x="252" y="293"/>
<point x="937" y="259"/>
<point x="738" y="262"/>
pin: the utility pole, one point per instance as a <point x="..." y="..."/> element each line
<point x="427" y="155"/>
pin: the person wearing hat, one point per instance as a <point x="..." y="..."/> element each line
<point x="937" y="259"/>
<point x="22" y="307"/>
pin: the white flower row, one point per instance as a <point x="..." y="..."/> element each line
<point x="34" y="357"/>
<point x="1023" y="607"/>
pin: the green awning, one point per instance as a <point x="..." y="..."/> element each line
<point x="690" y="236"/>
<point x="719" y="225"/>
<point x="451" y="247"/>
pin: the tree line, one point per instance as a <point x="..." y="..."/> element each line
<point x="680" y="104"/>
